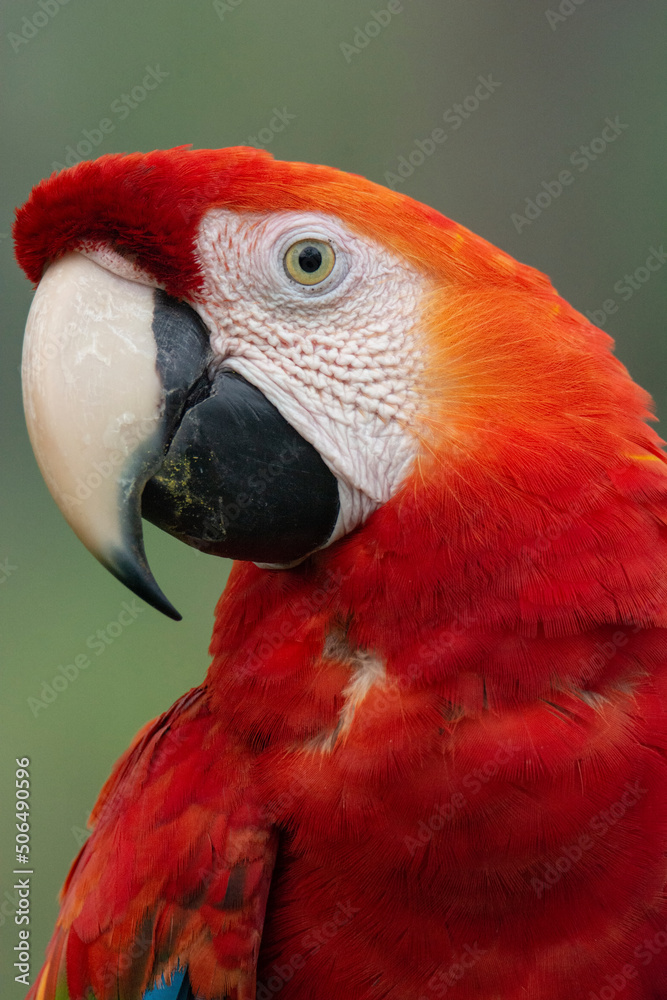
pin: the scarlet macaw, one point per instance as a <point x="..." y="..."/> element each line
<point x="429" y="756"/>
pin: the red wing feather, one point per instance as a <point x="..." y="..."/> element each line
<point x="175" y="873"/>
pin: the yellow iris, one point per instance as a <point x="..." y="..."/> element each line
<point x="310" y="261"/>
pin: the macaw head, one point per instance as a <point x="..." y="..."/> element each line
<point x="260" y="357"/>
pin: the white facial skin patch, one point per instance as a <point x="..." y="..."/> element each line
<point x="339" y="359"/>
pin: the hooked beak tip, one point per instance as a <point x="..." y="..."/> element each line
<point x="135" y="574"/>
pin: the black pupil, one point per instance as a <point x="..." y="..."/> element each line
<point x="310" y="259"/>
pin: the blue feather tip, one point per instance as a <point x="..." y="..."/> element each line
<point x="178" y="989"/>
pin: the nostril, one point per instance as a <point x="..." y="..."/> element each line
<point x="183" y="359"/>
<point x="199" y="391"/>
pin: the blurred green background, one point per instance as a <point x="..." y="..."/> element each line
<point x="360" y="100"/>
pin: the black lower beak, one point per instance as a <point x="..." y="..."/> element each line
<point x="236" y="479"/>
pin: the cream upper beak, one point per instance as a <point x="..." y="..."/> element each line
<point x="92" y="394"/>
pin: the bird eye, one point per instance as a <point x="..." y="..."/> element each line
<point x="310" y="261"/>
